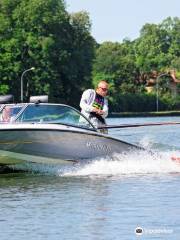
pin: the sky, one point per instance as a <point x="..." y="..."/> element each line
<point x="115" y="20"/>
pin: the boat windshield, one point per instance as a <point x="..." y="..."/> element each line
<point x="43" y="113"/>
<point x="9" y="112"/>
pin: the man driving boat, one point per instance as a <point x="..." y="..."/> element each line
<point x="94" y="104"/>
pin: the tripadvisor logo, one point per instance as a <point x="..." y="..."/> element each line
<point x="138" y="231"/>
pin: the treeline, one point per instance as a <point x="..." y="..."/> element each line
<point x="43" y="35"/>
<point x="129" y="67"/>
<point x="67" y="59"/>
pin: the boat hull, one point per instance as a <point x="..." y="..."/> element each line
<point x="56" y="146"/>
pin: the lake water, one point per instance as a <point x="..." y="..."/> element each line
<point x="104" y="200"/>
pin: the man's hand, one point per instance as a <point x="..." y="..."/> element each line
<point x="98" y="111"/>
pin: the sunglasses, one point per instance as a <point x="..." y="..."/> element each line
<point x="104" y="89"/>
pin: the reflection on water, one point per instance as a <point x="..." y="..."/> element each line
<point x="104" y="200"/>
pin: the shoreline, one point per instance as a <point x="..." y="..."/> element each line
<point x="145" y="114"/>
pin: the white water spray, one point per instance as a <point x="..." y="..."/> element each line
<point x="128" y="164"/>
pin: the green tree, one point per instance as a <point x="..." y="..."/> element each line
<point x="82" y="49"/>
<point x="115" y="63"/>
<point x="115" y="60"/>
<point x="152" y="48"/>
<point x="42" y="34"/>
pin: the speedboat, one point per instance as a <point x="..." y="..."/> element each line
<point x="51" y="133"/>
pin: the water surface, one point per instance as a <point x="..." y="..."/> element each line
<point x="105" y="200"/>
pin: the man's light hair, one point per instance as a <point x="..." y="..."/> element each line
<point x="102" y="82"/>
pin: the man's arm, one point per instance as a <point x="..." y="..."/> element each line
<point x="85" y="99"/>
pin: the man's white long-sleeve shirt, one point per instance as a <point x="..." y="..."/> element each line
<point x="87" y="101"/>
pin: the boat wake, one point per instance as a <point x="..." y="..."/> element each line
<point x="129" y="164"/>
